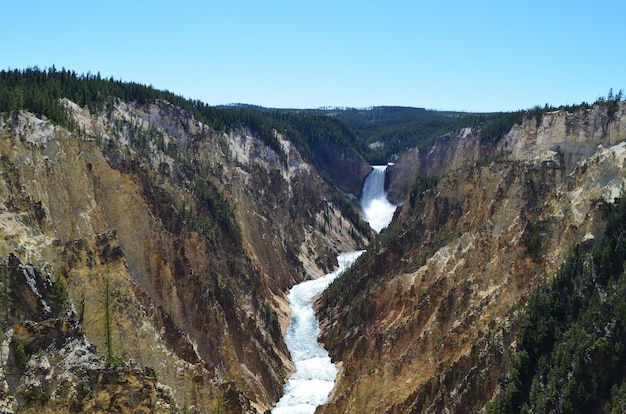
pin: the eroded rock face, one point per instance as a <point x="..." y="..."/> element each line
<point x="49" y="366"/>
<point x="573" y="135"/>
<point x="196" y="233"/>
<point x="449" y="152"/>
<point x="423" y="320"/>
<point x="344" y="166"/>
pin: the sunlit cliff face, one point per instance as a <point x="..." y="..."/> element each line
<point x="422" y="322"/>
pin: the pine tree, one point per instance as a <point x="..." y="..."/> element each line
<point x="108" y="322"/>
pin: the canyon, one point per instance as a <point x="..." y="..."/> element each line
<point x="146" y="257"/>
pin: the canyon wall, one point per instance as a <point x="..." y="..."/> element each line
<point x="572" y="135"/>
<point x="146" y="248"/>
<point x="449" y="152"/>
<point x="424" y="319"/>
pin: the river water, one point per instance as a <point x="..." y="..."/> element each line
<point x="314" y="378"/>
<point x="315" y="374"/>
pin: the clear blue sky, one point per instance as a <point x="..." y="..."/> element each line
<point x="452" y="55"/>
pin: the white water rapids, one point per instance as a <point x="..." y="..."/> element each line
<point x="315" y="373"/>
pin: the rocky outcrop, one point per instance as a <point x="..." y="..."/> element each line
<point x="449" y="152"/>
<point x="346" y="167"/>
<point x="67" y="375"/>
<point x="49" y="366"/>
<point x="423" y="320"/>
<point x="195" y="233"/>
<point x="401" y="176"/>
<point x="573" y="135"/>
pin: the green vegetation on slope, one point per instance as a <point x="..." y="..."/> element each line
<point x="39" y="91"/>
<point x="304" y="128"/>
<point x="378" y="134"/>
<point x="571" y="351"/>
<point x="387" y="131"/>
<point x="381" y="133"/>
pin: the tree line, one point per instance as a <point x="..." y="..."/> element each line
<point x="397" y="128"/>
<point x="39" y="91"/>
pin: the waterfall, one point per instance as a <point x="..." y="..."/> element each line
<point x="315" y="373"/>
<point x="377" y="210"/>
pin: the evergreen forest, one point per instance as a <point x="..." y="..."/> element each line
<point x="571" y="354"/>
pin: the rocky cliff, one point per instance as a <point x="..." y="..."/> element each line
<point x="145" y="256"/>
<point x="423" y="320"/>
<point x="572" y="135"/>
<point x="347" y="169"/>
<point x="449" y="152"/>
<point x="175" y="244"/>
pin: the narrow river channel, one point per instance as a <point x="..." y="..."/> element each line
<point x="314" y="378"/>
<point x="315" y="374"/>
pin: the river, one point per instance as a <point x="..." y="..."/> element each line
<point x="314" y="378"/>
<point x="315" y="374"/>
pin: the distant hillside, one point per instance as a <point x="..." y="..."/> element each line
<point x="382" y="133"/>
<point x="385" y="132"/>
<point x="389" y="130"/>
<point x="378" y="134"/>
